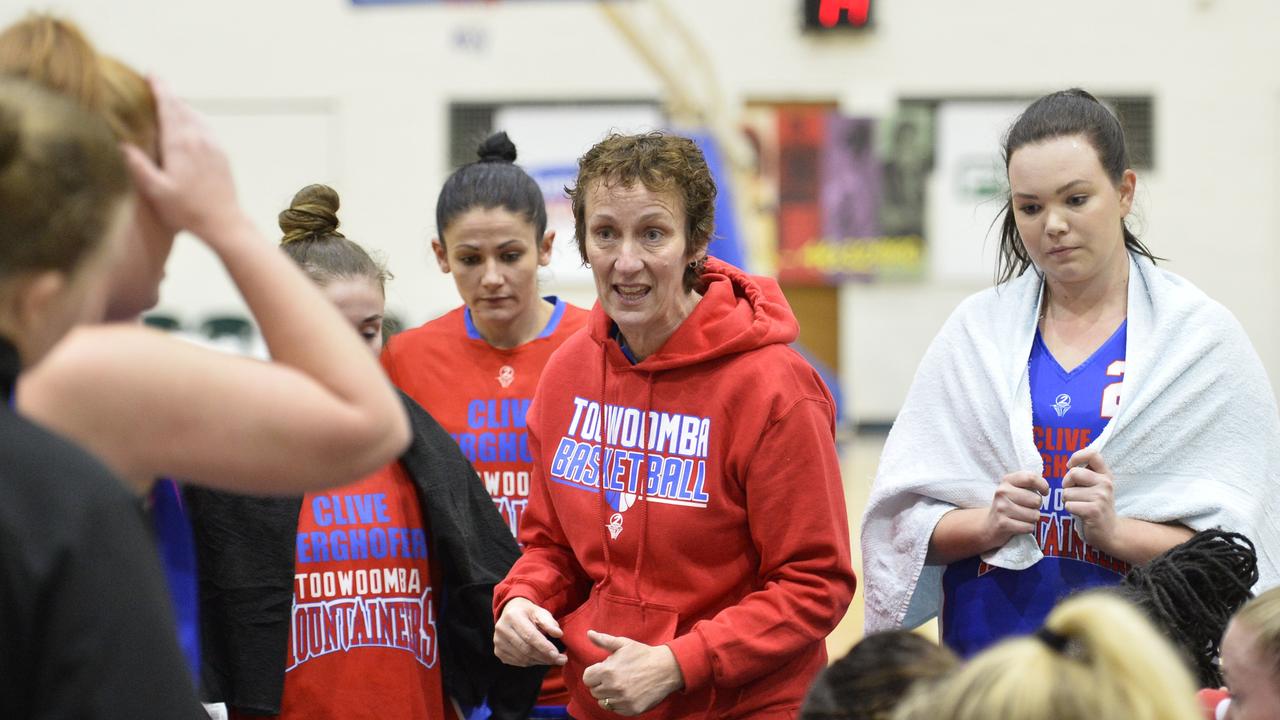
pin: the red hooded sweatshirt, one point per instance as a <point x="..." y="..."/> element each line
<point x="721" y="531"/>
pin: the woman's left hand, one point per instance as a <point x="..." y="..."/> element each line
<point x="634" y="678"/>
<point x="1088" y="493"/>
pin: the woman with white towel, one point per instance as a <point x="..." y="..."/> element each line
<point x="1085" y="414"/>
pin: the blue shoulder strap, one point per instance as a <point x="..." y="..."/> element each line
<point x="178" y="556"/>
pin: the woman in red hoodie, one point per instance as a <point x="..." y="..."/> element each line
<point x="686" y="538"/>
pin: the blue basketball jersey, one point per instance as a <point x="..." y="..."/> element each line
<point x="983" y="604"/>
<point x="176" y="546"/>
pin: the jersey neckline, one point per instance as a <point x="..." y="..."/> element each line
<point x="553" y="322"/>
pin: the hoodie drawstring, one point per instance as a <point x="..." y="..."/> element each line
<point x="642" y="475"/>
<point x="642" y="480"/>
<point x="600" y="465"/>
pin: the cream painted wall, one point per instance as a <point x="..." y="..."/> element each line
<point x="369" y="88"/>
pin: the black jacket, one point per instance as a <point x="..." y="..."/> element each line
<point x="86" y="629"/>
<point x="246" y="557"/>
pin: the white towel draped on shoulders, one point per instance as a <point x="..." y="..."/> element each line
<point x="1196" y="439"/>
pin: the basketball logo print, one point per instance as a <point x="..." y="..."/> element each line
<point x="506" y="376"/>
<point x="615" y="526"/>
<point x="1062" y="404"/>
<point x="620" y="501"/>
<point x="625" y="501"/>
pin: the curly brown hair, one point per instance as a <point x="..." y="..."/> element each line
<point x="663" y="163"/>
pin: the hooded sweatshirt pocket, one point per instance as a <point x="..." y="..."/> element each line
<point x="632" y="618"/>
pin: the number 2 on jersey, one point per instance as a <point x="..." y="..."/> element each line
<point x="1111" y="393"/>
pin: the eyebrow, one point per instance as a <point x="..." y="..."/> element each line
<point x="656" y="216"/>
<point x="1059" y="191"/>
<point x="652" y="216"/>
<point x="502" y="245"/>
<point x="371" y="318"/>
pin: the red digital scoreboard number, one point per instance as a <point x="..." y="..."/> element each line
<point x="822" y="15"/>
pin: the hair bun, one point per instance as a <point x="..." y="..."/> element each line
<point x="497" y="148"/>
<point x="313" y="214"/>
<point x="1081" y="93"/>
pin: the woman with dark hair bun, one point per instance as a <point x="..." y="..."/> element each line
<point x="1083" y="416"/>
<point x="408" y="556"/>
<point x="475" y="368"/>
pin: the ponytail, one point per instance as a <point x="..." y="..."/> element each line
<point x="1096" y="658"/>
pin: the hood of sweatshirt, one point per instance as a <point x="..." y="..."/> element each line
<point x="738" y="312"/>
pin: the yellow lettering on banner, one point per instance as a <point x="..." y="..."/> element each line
<point x="888" y="255"/>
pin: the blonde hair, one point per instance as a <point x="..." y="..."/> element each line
<point x="1097" y="658"/>
<point x="311" y="239"/>
<point x="55" y="53"/>
<point x="1262" y="616"/>
<point x="61" y="179"/>
<point x="129" y="106"/>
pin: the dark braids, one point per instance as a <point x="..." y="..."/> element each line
<point x="1191" y="591"/>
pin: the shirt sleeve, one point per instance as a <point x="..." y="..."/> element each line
<point x="799" y="526"/>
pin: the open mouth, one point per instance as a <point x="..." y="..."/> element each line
<point x="631" y="294"/>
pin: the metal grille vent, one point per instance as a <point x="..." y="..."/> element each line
<point x="469" y="125"/>
<point x="1137" y="117"/>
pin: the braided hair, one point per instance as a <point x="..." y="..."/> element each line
<point x="1191" y="591"/>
